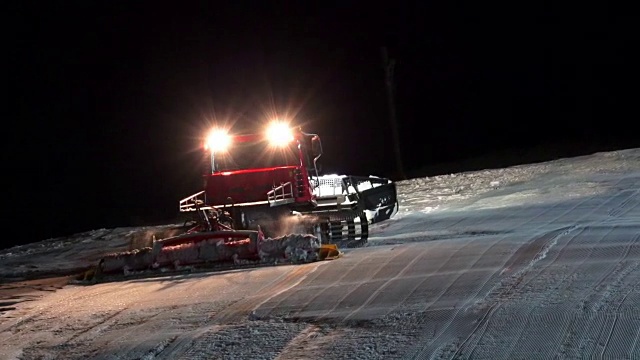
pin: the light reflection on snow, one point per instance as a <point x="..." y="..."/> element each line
<point x="429" y="209"/>
<point x="466" y="224"/>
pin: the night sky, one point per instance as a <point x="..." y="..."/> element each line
<point x="108" y="100"/>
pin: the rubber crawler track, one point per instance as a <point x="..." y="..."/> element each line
<point x="337" y="223"/>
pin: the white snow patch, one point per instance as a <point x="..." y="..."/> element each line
<point x="429" y="209"/>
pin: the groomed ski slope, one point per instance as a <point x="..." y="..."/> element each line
<point x="528" y="262"/>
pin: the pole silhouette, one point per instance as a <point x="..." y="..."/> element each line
<point x="389" y="65"/>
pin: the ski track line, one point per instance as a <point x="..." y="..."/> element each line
<point x="453" y="225"/>
<point x="427" y="277"/>
<point x="524" y="244"/>
<point x="609" y="199"/>
<point x="635" y="343"/>
<point x="592" y="197"/>
<point x="110" y="318"/>
<point x="336" y="281"/>
<point x="540" y="235"/>
<point x="617" y="268"/>
<point x="569" y="278"/>
<point x="448" y="287"/>
<point x="512" y="259"/>
<point x="634" y="206"/>
<point x="526" y="320"/>
<point x="287" y="288"/>
<point x="571" y="228"/>
<point x="509" y="288"/>
<point x="570" y="210"/>
<point x="389" y="281"/>
<point x="527" y="317"/>
<point x="518" y="256"/>
<point x="619" y="284"/>
<point x="277" y="280"/>
<point x="482" y="325"/>
<point x="590" y="252"/>
<point x="544" y="250"/>
<point x="498" y="303"/>
<point x="237" y="310"/>
<point x="569" y="337"/>
<point x="528" y="220"/>
<point x="531" y="310"/>
<point x="134" y="331"/>
<point x="102" y="322"/>
<point x="295" y="348"/>
<point x="622" y="208"/>
<point x="363" y="281"/>
<point x="456" y="223"/>
<point x="613" y="326"/>
<point x="545" y="210"/>
<point x="182" y="344"/>
<point x="537" y="343"/>
<point x="64" y="354"/>
<point x="581" y="337"/>
<point x="57" y="310"/>
<point x="172" y="347"/>
<point x="589" y="347"/>
<point x="456" y="252"/>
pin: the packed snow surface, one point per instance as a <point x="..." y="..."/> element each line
<point x="532" y="261"/>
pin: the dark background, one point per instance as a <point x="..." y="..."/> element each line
<point x="108" y="100"/>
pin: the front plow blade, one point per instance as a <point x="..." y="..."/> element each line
<point x="381" y="202"/>
<point x="377" y="197"/>
<point x="329" y="252"/>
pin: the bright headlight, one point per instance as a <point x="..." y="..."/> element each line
<point x="218" y="140"/>
<point x="279" y="134"/>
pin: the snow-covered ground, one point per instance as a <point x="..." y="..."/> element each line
<point x="532" y="261"/>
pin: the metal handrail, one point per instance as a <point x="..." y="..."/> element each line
<point x="278" y="194"/>
<point x="190" y="203"/>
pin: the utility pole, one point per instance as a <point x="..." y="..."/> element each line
<point x="389" y="65"/>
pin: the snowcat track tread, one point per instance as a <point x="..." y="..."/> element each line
<point x="347" y="219"/>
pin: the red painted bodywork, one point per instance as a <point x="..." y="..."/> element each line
<point x="252" y="185"/>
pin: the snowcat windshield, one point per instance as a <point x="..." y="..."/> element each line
<point x="255" y="155"/>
